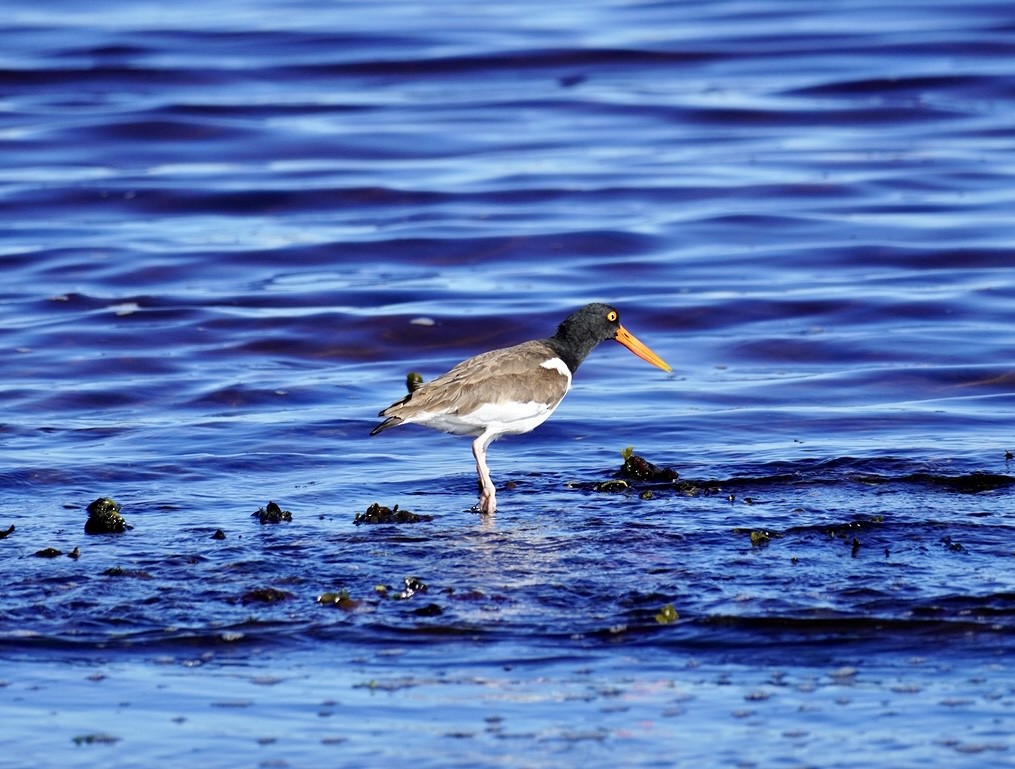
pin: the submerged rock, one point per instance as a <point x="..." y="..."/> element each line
<point x="265" y="595"/>
<point x="430" y="610"/>
<point x="272" y="513"/>
<point x="104" y="518"/>
<point x="377" y="513"/>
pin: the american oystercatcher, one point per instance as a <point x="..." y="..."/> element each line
<point x="512" y="390"/>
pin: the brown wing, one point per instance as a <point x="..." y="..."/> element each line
<point x="510" y="374"/>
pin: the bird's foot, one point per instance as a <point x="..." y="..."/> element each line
<point x="488" y="502"/>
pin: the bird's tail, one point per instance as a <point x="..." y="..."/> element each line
<point x="389" y="422"/>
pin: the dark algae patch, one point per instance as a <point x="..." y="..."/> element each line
<point x="645" y="478"/>
<point x="638" y="468"/>
<point x="265" y="595"/>
<point x="118" y="571"/>
<point x="971" y="483"/>
<point x="377" y="513"/>
<point x="104" y="518"/>
<point x="429" y="610"/>
<point x="95" y="739"/>
<point x="271" y="513"/>
<point x="52" y="552"/>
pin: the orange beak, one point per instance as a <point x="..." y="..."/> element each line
<point x="629" y="341"/>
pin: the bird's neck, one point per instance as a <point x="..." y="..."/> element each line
<point x="572" y="348"/>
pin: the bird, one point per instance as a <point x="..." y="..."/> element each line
<point x="511" y="390"/>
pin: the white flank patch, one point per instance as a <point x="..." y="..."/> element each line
<point x="556" y="364"/>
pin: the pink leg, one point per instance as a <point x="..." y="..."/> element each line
<point x="488" y="496"/>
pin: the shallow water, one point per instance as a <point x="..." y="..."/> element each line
<point x="229" y="232"/>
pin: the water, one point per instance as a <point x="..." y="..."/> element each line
<point x="229" y="231"/>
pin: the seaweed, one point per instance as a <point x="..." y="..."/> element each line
<point x="377" y="513"/>
<point x="637" y="472"/>
<point x="339" y="600"/>
<point x="118" y="571"/>
<point x="104" y="518"/>
<point x="640" y="469"/>
<point x="272" y="513"/>
<point x="667" y="615"/>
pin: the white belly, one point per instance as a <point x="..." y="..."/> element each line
<point x="496" y="418"/>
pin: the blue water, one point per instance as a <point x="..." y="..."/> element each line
<point x="228" y="232"/>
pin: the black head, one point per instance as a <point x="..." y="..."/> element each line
<point x="594" y="323"/>
<point x="582" y="331"/>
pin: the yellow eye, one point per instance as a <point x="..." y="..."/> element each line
<point x="612" y="316"/>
